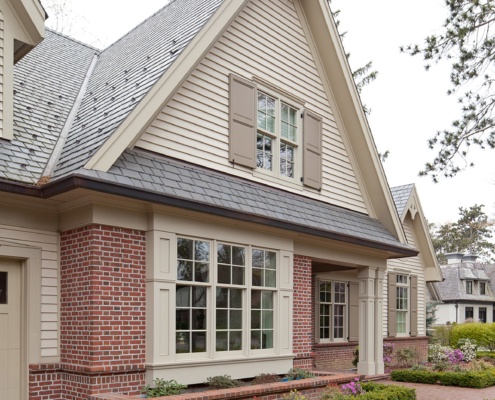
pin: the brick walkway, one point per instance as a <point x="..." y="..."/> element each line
<point x="438" y="392"/>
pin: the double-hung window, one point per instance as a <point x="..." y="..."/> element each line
<point x="332" y="296"/>
<point x="482" y="288"/>
<point x="402" y="304"/>
<point x="225" y="297"/>
<point x="469" y="287"/>
<point x="277" y="140"/>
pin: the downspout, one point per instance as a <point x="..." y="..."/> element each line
<point x="57" y="150"/>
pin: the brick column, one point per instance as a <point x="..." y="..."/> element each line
<point x="303" y="317"/>
<point x="102" y="310"/>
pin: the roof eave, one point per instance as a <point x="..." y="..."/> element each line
<point x="74" y="182"/>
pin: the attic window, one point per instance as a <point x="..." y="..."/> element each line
<point x="469" y="287"/>
<point x="482" y="288"/>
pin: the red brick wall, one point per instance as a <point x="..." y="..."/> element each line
<point x="419" y="343"/>
<point x="45" y="382"/>
<point x="303" y="317"/>
<point x="102" y="310"/>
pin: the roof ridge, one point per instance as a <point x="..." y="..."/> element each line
<point x="74" y="40"/>
<point x="138" y="25"/>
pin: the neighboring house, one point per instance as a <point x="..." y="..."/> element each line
<point x="467" y="293"/>
<point x="203" y="195"/>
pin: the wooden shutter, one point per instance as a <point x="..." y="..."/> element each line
<point x="242" y="121"/>
<point x="392" y="304"/>
<point x="353" y="312"/>
<point x="414" y="306"/>
<point x="312" y="165"/>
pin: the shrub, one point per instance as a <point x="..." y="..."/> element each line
<point x="473" y="379"/>
<point x="406" y="357"/>
<point x="437" y="352"/>
<point x="163" y="388"/>
<point x="373" y="391"/>
<point x="353" y="388"/>
<point x="481" y="334"/>
<point x="298" y="373"/>
<point x="468" y="348"/>
<point x="222" y="382"/>
<point x="442" y="335"/>
<point x="265" y="378"/>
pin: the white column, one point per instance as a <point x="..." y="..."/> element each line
<point x="379" y="368"/>
<point x="367" y="321"/>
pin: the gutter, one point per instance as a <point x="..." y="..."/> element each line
<point x="76" y="181"/>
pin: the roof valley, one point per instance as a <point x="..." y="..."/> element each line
<point x="57" y="150"/>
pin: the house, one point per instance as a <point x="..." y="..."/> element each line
<point x="467" y="293"/>
<point x="203" y="195"/>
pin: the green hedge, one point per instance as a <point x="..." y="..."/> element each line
<point x="478" y="379"/>
<point x="379" y="391"/>
<point x="482" y="334"/>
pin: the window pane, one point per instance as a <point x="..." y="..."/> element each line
<point x="199" y="319"/>
<point x="267" y="300"/>
<point x="201" y="272"/>
<point x="270" y="278"/>
<point x="270" y="260"/>
<point x="222" y="319"/>
<point x="3" y="288"/>
<point x="182" y="318"/>
<point x="198" y="342"/>
<point x="270" y="105"/>
<point x="238" y="256"/>
<point x="235" y="319"/>
<point x="202" y="251"/>
<point x="258" y="260"/>
<point x="267" y="341"/>
<point x="235" y="341"/>
<point x="184" y="270"/>
<point x="224" y="255"/>
<point x="222" y="297"/>
<point x="270" y="124"/>
<point x="267" y="320"/>
<point x="256" y="299"/>
<point x="256" y="340"/>
<point x="257" y="277"/>
<point x="255" y="319"/>
<point x="185" y="249"/>
<point x="199" y="296"/>
<point x="182" y="296"/>
<point x="222" y="341"/>
<point x="262" y="120"/>
<point x="224" y="274"/>
<point x="235" y="298"/>
<point x="238" y="275"/>
<point x="182" y="342"/>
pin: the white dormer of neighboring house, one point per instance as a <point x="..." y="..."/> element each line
<point x="22" y="26"/>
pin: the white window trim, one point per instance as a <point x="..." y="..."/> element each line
<point x="212" y="353"/>
<point x="298" y="144"/>
<point x="408" y="310"/>
<point x="332" y="303"/>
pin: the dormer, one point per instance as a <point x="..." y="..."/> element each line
<point x="22" y="27"/>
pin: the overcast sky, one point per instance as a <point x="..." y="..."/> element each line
<point x="408" y="105"/>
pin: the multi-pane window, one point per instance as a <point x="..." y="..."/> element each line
<point x="190" y="319"/>
<point x="468" y="313"/>
<point x="276" y="143"/>
<point x="469" y="287"/>
<point x="482" y="288"/>
<point x="482" y="314"/>
<point x="226" y="298"/>
<point x="228" y="319"/>
<point x="332" y="310"/>
<point x="402" y="304"/>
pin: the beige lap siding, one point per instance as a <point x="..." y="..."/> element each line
<point x="408" y="266"/>
<point x="266" y="40"/>
<point x="47" y="241"/>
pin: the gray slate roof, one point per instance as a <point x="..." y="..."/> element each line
<point x="159" y="174"/>
<point x="401" y="195"/>
<point x="126" y="71"/>
<point x="46" y="83"/>
<point x="452" y="288"/>
<point x="49" y="79"/>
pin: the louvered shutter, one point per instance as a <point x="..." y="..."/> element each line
<point x="392" y="304"/>
<point x="353" y="312"/>
<point x="242" y="121"/>
<point x="312" y="166"/>
<point x="414" y="306"/>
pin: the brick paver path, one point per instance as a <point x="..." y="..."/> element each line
<point x="439" y="392"/>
